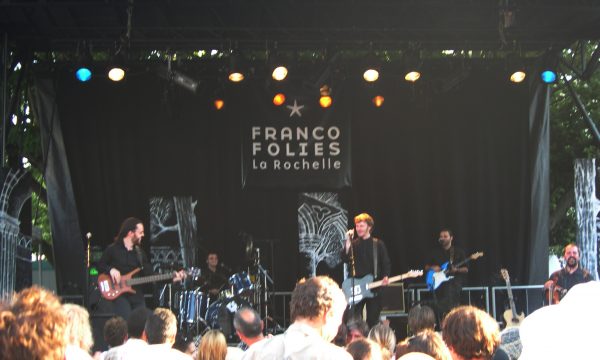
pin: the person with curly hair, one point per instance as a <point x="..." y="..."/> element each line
<point x="33" y="326"/>
<point x="470" y="333"/>
<point x="317" y="307"/>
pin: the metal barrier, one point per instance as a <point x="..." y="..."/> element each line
<point x="467" y="297"/>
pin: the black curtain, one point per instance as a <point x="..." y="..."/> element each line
<point x="432" y="156"/>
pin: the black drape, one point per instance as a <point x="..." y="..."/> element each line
<point x="430" y="157"/>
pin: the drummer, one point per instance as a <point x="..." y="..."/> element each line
<point x="214" y="278"/>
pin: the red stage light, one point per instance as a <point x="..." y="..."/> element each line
<point x="279" y="99"/>
<point x="378" y="100"/>
<point x="219" y="103"/>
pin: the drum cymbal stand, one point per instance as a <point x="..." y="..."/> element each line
<point x="266" y="280"/>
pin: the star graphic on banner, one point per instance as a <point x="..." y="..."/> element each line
<point x="295" y="109"/>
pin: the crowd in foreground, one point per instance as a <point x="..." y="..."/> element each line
<point x="35" y="325"/>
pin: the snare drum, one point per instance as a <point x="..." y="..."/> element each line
<point x="241" y="283"/>
<point x="193" y="305"/>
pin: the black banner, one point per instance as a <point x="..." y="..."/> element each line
<point x="297" y="145"/>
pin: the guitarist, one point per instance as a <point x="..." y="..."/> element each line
<point x="564" y="279"/>
<point x="447" y="296"/>
<point x="123" y="256"/>
<point x="362" y="251"/>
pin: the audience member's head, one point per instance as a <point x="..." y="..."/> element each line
<point x="427" y="342"/>
<point x="421" y="317"/>
<point x="79" y="330"/>
<point x="384" y="336"/>
<point x="320" y="303"/>
<point x="115" y="331"/>
<point x="415" y="356"/>
<point x="340" y="337"/>
<point x="357" y="329"/>
<point x="213" y="346"/>
<point x="161" y="327"/>
<point x="248" y="325"/>
<point x="186" y="346"/>
<point x="137" y="321"/>
<point x="33" y="326"/>
<point x="364" y="349"/>
<point x="470" y="333"/>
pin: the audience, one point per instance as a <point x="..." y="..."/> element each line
<point x="421" y="317"/>
<point x="470" y="333"/>
<point x="428" y="342"/>
<point x="135" y="345"/>
<point x="160" y="332"/>
<point x="357" y="329"/>
<point x="115" y="331"/>
<point x="385" y="337"/>
<point x="33" y="326"/>
<point x="364" y="349"/>
<point x="317" y="307"/>
<point x="78" y="332"/>
<point x="213" y="346"/>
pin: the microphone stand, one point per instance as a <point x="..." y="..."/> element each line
<point x="86" y="298"/>
<point x="353" y="273"/>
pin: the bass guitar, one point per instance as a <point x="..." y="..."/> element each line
<point x="357" y="289"/>
<point x="436" y="278"/>
<point x="510" y="315"/>
<point x="111" y="290"/>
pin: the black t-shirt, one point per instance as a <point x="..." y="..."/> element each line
<point x="213" y="279"/>
<point x="117" y="256"/>
<point x="566" y="280"/>
<point x="363" y="258"/>
<point x="453" y="255"/>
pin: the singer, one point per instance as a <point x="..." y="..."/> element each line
<point x="123" y="256"/>
<point x="214" y="277"/>
<point x="366" y="255"/>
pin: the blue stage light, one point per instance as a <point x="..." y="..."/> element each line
<point x="83" y="74"/>
<point x="548" y="76"/>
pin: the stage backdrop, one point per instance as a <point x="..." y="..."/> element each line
<point x="434" y="155"/>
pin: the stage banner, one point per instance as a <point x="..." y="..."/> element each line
<point x="297" y="145"/>
<point x="173" y="232"/>
<point x="322" y="224"/>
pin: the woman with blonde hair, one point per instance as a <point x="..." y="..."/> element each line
<point x="213" y="346"/>
<point x="385" y="337"/>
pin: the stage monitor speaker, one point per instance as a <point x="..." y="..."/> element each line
<point x="97" y="321"/>
<point x="392" y="299"/>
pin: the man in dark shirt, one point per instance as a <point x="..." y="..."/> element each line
<point x="572" y="274"/>
<point x="123" y="256"/>
<point x="447" y="295"/>
<point x="359" y="253"/>
<point x="214" y="277"/>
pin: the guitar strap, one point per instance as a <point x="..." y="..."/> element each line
<point x="375" y="258"/>
<point x="138" y="253"/>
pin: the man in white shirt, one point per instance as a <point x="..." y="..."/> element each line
<point x="135" y="345"/>
<point x="317" y="308"/>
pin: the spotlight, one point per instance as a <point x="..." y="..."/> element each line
<point x="371" y="75"/>
<point x="412" y="67"/>
<point x="83" y="74"/>
<point x="548" y="76"/>
<point x="371" y="68"/>
<point x="325" y="100"/>
<point x="279" y="73"/>
<point x="116" y="70"/>
<point x="279" y="99"/>
<point x="378" y="100"/>
<point x="518" y="76"/>
<point x="236" y="73"/>
<point x="219" y="103"/>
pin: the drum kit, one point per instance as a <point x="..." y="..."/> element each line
<point x="199" y="312"/>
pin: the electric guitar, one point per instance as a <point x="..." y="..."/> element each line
<point x="110" y="290"/>
<point x="357" y="289"/>
<point x="436" y="278"/>
<point x="510" y="315"/>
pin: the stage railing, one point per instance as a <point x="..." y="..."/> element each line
<point x="533" y="299"/>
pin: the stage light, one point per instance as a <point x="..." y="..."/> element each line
<point x="378" y="100"/>
<point x="518" y="76"/>
<point x="236" y="72"/>
<point x="279" y="73"/>
<point x="412" y="66"/>
<point x="279" y="99"/>
<point x="116" y="74"/>
<point x="83" y="74"/>
<point x="371" y="75"/>
<point x="412" y="76"/>
<point x="325" y="100"/>
<point x="548" y="76"/>
<point x="219" y="103"/>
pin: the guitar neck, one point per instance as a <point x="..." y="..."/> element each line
<point x="149" y="279"/>
<point x="393" y="279"/>
<point x="511" y="300"/>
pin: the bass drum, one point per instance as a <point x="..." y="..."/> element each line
<point x="220" y="315"/>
